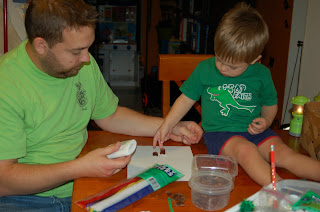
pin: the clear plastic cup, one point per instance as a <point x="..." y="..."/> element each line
<point x="206" y="162"/>
<point x="210" y="190"/>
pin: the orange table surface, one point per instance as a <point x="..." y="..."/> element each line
<point x="158" y="201"/>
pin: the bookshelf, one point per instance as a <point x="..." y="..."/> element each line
<point x="192" y="24"/>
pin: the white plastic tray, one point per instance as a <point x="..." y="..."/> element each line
<point x="291" y="187"/>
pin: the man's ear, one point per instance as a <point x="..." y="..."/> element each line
<point x="41" y="45"/>
<point x="255" y="60"/>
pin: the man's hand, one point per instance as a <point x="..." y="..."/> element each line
<point x="97" y="164"/>
<point x="21" y="179"/>
<point x="187" y="132"/>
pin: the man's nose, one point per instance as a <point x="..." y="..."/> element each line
<point x="85" y="57"/>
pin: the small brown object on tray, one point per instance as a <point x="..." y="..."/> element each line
<point x="162" y="151"/>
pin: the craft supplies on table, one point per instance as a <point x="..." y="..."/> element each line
<point x="287" y="194"/>
<point x="130" y="190"/>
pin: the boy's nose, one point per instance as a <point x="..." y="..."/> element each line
<point x="224" y="68"/>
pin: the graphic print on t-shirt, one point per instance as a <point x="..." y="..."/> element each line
<point x="81" y="96"/>
<point x="227" y="95"/>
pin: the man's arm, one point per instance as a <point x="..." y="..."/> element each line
<point x="19" y="179"/>
<point x="130" y="122"/>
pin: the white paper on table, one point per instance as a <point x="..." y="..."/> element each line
<point x="178" y="157"/>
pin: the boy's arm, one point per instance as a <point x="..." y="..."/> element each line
<point x="269" y="113"/>
<point x="259" y="125"/>
<point x="180" y="107"/>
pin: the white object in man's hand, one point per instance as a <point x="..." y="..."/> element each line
<point x="126" y="148"/>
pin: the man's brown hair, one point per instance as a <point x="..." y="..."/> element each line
<point x="48" y="18"/>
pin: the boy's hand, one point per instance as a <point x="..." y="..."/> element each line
<point x="258" y="125"/>
<point x="162" y="135"/>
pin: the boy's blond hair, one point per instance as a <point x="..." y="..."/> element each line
<point x="241" y="35"/>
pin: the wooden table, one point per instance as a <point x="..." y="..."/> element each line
<point x="158" y="201"/>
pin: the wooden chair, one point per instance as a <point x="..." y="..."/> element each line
<point x="177" y="68"/>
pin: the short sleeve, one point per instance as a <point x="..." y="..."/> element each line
<point x="269" y="96"/>
<point x="106" y="101"/>
<point x="192" y="87"/>
<point x="12" y="130"/>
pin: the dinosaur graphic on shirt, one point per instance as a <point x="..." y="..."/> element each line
<point x="226" y="100"/>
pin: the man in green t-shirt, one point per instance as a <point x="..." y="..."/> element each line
<point x="50" y="88"/>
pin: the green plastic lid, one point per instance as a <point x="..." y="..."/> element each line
<point x="299" y="100"/>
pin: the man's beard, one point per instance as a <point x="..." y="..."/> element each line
<point x="51" y="66"/>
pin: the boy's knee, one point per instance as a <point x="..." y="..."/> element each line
<point x="245" y="152"/>
<point x="241" y="150"/>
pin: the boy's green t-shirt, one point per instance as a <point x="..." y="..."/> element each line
<point x="229" y="104"/>
<point x="43" y="119"/>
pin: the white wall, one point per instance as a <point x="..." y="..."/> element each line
<point x="305" y="27"/>
<point x="16" y="29"/>
<point x="309" y="85"/>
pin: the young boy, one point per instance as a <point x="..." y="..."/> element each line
<point x="239" y="101"/>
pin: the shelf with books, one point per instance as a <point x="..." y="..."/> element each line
<point x="187" y="24"/>
<point x="194" y="34"/>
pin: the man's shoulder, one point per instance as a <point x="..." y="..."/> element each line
<point x="12" y="58"/>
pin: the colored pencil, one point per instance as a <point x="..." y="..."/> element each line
<point x="273" y="168"/>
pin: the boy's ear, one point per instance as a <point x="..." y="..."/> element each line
<point x="255" y="60"/>
<point x="41" y="45"/>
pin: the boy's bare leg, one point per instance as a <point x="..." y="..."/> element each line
<point x="300" y="165"/>
<point x="250" y="159"/>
